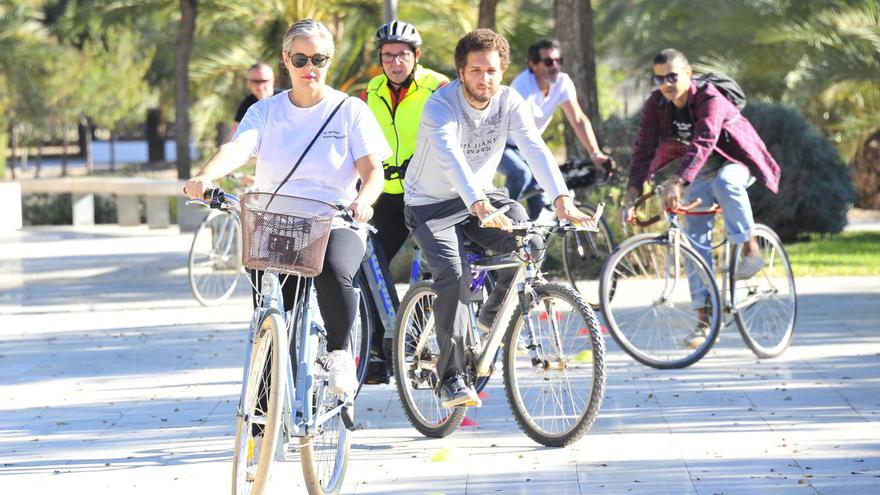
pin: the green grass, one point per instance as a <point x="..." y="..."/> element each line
<point x="846" y="254"/>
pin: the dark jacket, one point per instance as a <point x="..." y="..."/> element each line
<point x="711" y="112"/>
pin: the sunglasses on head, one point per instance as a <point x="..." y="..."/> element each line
<point x="670" y="78"/>
<point x="548" y="61"/>
<point x="300" y="60"/>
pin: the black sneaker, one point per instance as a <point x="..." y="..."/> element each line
<point x="455" y="392"/>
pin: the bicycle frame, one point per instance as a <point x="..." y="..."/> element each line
<point x="377" y="275"/>
<point x="297" y="419"/>
<point x="677" y="234"/>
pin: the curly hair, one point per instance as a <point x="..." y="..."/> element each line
<point x="482" y="40"/>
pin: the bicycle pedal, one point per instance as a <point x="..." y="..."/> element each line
<point x="349" y="423"/>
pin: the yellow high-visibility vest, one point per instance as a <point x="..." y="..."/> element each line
<point x="401" y="126"/>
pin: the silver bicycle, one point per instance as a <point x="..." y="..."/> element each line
<point x="648" y="306"/>
<point x="552" y="352"/>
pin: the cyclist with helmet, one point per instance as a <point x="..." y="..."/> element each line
<point x="396" y="98"/>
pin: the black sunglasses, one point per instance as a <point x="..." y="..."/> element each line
<point x="299" y="60"/>
<point x="550" y="61"/>
<point x="670" y="78"/>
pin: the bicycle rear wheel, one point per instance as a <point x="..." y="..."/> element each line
<point x="324" y="452"/>
<point x="256" y="432"/>
<point x="554" y="367"/>
<point x="652" y="315"/>
<point x="583" y="254"/>
<point x="214" y="264"/>
<point x="416" y="354"/>
<point x="765" y="305"/>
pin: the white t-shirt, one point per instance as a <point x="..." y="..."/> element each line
<point x="542" y="107"/>
<point x="276" y="132"/>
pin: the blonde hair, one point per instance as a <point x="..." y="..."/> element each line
<point x="308" y="28"/>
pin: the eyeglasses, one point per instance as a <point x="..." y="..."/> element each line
<point x="259" y="81"/>
<point x="299" y="60"/>
<point x="387" y="58"/>
<point x="548" y="61"/>
<point x="670" y="78"/>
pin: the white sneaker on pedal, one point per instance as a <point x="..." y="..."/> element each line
<point x="343" y="379"/>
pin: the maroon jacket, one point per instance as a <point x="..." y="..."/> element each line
<point x="711" y="112"/>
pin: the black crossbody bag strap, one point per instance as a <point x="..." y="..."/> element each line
<point x="303" y="155"/>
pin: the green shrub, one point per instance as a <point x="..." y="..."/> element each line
<point x="57" y="209"/>
<point x="816" y="189"/>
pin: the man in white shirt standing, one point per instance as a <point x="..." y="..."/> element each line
<point x="448" y="190"/>
<point x="544" y="87"/>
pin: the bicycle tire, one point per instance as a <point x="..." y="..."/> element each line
<point x="324" y="452"/>
<point x="214" y="266"/>
<point x="774" y="279"/>
<point x="430" y="419"/>
<point x="623" y="276"/>
<point x="266" y="372"/>
<point x="590" y="350"/>
<point x="360" y="344"/>
<point x="583" y="254"/>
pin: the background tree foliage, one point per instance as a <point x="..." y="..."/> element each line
<point x="107" y="61"/>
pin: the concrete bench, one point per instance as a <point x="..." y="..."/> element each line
<point x="128" y="191"/>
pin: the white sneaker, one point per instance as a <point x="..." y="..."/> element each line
<point x="748" y="266"/>
<point x="697" y="337"/>
<point x="343" y="379"/>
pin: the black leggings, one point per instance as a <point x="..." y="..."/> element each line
<point x="336" y="296"/>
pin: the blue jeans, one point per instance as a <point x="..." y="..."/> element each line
<point x="519" y="181"/>
<point x="727" y="187"/>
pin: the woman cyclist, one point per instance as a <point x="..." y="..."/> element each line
<point x="288" y="128"/>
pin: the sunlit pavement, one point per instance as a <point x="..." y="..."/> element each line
<point x="114" y="380"/>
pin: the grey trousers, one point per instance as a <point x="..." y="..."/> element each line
<point x="439" y="230"/>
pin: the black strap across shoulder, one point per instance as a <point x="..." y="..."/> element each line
<point x="299" y="161"/>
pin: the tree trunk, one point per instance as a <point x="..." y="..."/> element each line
<point x="64" y="153"/>
<point x="181" y="86"/>
<point x="486" y="17"/>
<point x="87" y="145"/>
<point x="39" y="159"/>
<point x="574" y="29"/>
<point x="155" y="136"/>
<point x="112" y="151"/>
<point x="14" y="141"/>
<point x="866" y="174"/>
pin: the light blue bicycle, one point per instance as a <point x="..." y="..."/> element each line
<point x="281" y="401"/>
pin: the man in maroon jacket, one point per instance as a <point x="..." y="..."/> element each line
<point x="718" y="155"/>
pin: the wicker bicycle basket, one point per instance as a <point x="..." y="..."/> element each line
<point x="286" y="234"/>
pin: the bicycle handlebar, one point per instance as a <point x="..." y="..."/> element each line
<point x="688" y="210"/>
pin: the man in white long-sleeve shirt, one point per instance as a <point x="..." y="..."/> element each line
<point x="462" y="135"/>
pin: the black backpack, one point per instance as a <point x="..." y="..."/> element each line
<point x="726" y="85"/>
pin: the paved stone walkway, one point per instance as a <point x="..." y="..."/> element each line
<point x="113" y="380"/>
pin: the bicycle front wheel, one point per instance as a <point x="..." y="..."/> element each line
<point x="765" y="305"/>
<point x="554" y="366"/>
<point x="416" y="354"/>
<point x="259" y="418"/>
<point x="214" y="265"/>
<point x="362" y="331"/>
<point x="660" y="301"/>
<point x="583" y="254"/>
<point x="325" y="450"/>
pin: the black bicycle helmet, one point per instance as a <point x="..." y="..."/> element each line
<point x="398" y="32"/>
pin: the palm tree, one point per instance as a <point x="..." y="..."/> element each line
<point x="819" y="55"/>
